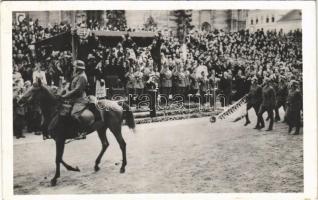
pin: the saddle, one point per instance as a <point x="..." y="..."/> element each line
<point x="87" y="116"/>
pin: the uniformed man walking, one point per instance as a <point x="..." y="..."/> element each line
<point x="294" y="106"/>
<point x="268" y="105"/>
<point x="254" y="99"/>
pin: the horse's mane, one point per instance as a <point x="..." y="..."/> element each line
<point x="50" y="92"/>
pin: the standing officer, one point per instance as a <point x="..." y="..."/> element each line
<point x="268" y="104"/>
<point x="294" y="106"/>
<point x="254" y="99"/>
<point x="203" y="85"/>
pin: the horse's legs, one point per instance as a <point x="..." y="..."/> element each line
<point x="117" y="133"/>
<point x="105" y="144"/>
<point x="59" y="153"/>
<point x="68" y="167"/>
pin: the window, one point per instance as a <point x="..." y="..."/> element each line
<point x="267" y="20"/>
<point x="251" y="22"/>
<point x="273" y="19"/>
<point x="256" y="21"/>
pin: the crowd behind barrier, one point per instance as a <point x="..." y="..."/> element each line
<point x="202" y="62"/>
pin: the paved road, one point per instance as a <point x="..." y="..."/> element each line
<point x="176" y="156"/>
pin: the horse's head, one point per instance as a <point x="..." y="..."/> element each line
<point x="37" y="93"/>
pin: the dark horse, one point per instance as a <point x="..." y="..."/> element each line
<point x="64" y="127"/>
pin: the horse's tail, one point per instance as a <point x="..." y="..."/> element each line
<point x="128" y="114"/>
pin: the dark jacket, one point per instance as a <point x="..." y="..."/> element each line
<point x="294" y="101"/>
<point x="254" y="96"/>
<point x="268" y="97"/>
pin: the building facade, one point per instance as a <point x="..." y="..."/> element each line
<point x="286" y="20"/>
<point x="227" y="20"/>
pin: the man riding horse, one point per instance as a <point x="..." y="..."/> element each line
<point x="62" y="125"/>
<point x="87" y="119"/>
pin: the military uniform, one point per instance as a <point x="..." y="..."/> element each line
<point x="254" y="100"/>
<point x="139" y="86"/>
<point x="294" y="106"/>
<point x="181" y="84"/>
<point x="268" y="104"/>
<point x="282" y="93"/>
<point x="166" y="81"/>
<point x="194" y="84"/>
<point x="77" y="96"/>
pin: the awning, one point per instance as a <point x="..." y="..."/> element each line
<point x="142" y="34"/>
<point x="112" y="38"/>
<point x="60" y="41"/>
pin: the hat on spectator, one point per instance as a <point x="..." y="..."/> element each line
<point x="78" y="64"/>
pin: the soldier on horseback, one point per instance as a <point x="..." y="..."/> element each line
<point x="88" y="119"/>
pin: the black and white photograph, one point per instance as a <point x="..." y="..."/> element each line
<point x="158" y="101"/>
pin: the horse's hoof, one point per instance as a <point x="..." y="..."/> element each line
<point x="53" y="182"/>
<point x="122" y="170"/>
<point x="77" y="169"/>
<point x="96" y="168"/>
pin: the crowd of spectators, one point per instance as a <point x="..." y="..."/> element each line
<point x="202" y="62"/>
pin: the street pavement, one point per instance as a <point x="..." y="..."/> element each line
<point x="182" y="156"/>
